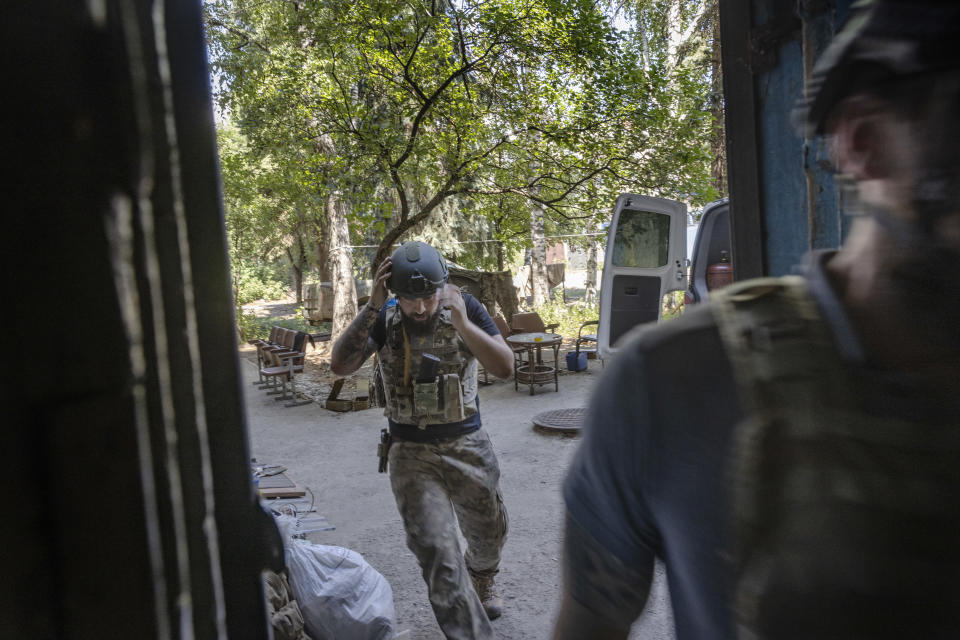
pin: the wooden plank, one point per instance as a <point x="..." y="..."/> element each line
<point x="335" y="389"/>
<point x="295" y="491"/>
<point x="279" y="486"/>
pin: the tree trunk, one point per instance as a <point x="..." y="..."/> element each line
<point x="303" y="263"/>
<point x="681" y="32"/>
<point x="341" y="267"/>
<point x="674" y="34"/>
<point x="644" y="38"/>
<point x="498" y="227"/>
<point x="591" y="283"/>
<point x="322" y="226"/>
<point x="323" y="146"/>
<point x="538" y="258"/>
<point x="297" y="269"/>
<point x="498" y="224"/>
<point x="298" y="263"/>
<point x="718" y="144"/>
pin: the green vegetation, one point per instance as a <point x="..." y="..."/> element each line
<point x="672" y="305"/>
<point x="362" y="124"/>
<point x="569" y="315"/>
<point x="258" y="281"/>
<point x="251" y="327"/>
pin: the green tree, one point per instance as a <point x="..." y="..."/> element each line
<point x="255" y="242"/>
<point x="400" y="111"/>
<point x="683" y="37"/>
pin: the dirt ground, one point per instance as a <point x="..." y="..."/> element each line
<point x="334" y="455"/>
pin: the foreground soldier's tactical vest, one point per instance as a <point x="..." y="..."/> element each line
<point x="448" y="399"/>
<point x="845" y="523"/>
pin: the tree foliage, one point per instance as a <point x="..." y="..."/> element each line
<point x="421" y="111"/>
<point x="255" y="219"/>
<point x="683" y="38"/>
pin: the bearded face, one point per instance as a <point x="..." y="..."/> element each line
<point x="420" y="326"/>
<point x="420" y="314"/>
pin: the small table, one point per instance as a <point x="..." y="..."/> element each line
<point x="534" y="371"/>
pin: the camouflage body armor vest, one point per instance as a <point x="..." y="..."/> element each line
<point x="845" y="522"/>
<point x="449" y="398"/>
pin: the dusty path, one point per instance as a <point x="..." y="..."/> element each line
<point x="334" y="455"/>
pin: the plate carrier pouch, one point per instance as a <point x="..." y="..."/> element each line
<point x="844" y="523"/>
<point x="450" y="398"/>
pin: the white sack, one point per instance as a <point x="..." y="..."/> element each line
<point x="341" y="596"/>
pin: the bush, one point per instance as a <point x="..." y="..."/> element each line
<point x="258" y="282"/>
<point x="570" y="316"/>
<point x="672" y="305"/>
<point x="251" y="327"/>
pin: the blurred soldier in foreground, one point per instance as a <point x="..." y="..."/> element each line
<point x="791" y="451"/>
<point x="442" y="466"/>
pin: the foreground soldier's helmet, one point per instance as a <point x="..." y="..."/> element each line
<point x="418" y="270"/>
<point x="882" y="41"/>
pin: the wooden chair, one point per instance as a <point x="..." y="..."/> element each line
<point x="282" y="366"/>
<point x="530" y="322"/>
<point x="282" y="341"/>
<point x="502" y="326"/>
<point x="259" y="343"/>
<point x="283" y="374"/>
<point x="268" y="359"/>
<point x="274" y="332"/>
<point x="504" y="332"/>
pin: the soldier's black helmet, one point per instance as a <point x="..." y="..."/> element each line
<point x="417" y="270"/>
<point x="883" y="40"/>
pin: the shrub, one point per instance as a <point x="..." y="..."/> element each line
<point x="569" y="315"/>
<point x="258" y="282"/>
<point x="572" y="315"/>
<point x="251" y="327"/>
<point x="672" y="306"/>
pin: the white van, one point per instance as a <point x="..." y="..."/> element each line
<point x="645" y="258"/>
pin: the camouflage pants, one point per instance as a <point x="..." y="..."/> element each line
<point x="437" y="488"/>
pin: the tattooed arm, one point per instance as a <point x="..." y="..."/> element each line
<point x="601" y="596"/>
<point x="355" y="345"/>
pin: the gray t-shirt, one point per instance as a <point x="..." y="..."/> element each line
<point x="649" y="477"/>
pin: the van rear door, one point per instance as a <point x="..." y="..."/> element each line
<point x="645" y="259"/>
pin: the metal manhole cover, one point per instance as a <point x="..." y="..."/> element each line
<point x="563" y="420"/>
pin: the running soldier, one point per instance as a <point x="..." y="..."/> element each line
<point x="443" y="470"/>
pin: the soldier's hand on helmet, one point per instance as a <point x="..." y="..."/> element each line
<point x="378" y="295"/>
<point x="452" y="298"/>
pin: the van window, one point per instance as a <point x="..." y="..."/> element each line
<point x="642" y="240"/>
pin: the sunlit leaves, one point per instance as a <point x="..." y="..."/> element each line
<point x="406" y="107"/>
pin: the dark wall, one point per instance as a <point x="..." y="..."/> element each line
<point x="131" y="513"/>
<point x="783" y="198"/>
